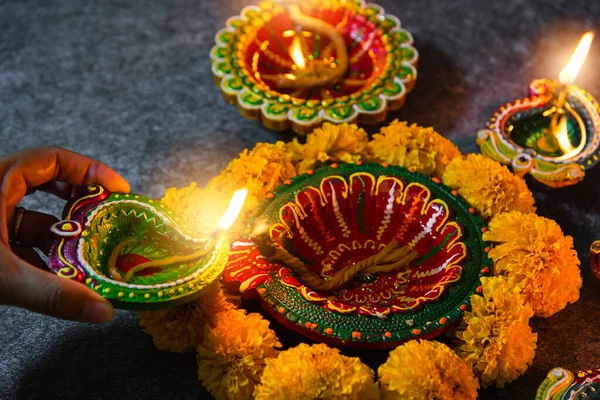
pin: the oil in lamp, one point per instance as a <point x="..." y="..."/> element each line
<point x="553" y="134"/>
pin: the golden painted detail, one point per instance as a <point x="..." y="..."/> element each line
<point x="68" y="271"/>
<point x="342" y="248"/>
<point x="333" y="307"/>
<point x="90" y="188"/>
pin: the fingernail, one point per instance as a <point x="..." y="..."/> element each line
<point x="97" y="312"/>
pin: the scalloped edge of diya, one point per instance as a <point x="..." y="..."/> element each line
<point x="497" y="145"/>
<point x="66" y="254"/>
<point x="273" y="290"/>
<point x="280" y="112"/>
<point x="562" y="384"/>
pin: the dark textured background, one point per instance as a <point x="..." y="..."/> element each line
<point x="128" y="82"/>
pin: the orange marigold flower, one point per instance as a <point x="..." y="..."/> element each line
<point x="181" y="329"/>
<point x="316" y="372"/>
<point x="328" y="144"/>
<point x="233" y="354"/>
<point x="536" y="257"/>
<point x="259" y="170"/>
<point x="487" y="185"/>
<point x="495" y="337"/>
<point x="413" y="147"/>
<point x="423" y="370"/>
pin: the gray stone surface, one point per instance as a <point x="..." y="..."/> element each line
<point x="128" y="82"/>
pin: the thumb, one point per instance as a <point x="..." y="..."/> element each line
<point x="46" y="293"/>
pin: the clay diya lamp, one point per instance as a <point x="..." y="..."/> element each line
<point x="297" y="64"/>
<point x="362" y="255"/>
<point x="595" y="259"/>
<point x="135" y="252"/>
<point x="553" y="134"/>
<point x="561" y="384"/>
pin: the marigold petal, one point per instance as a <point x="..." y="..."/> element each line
<point x="423" y="370"/>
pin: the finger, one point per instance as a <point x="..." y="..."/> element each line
<point x="46" y="293"/>
<point x="62" y="190"/>
<point x="33" y="168"/>
<point x="34" y="230"/>
<point x="29" y="255"/>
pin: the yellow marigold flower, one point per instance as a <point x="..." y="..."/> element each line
<point x="495" y="337"/>
<point x="232" y="356"/>
<point x="489" y="186"/>
<point x="259" y="170"/>
<point x="267" y="164"/>
<point x="423" y="370"/>
<point x="199" y="208"/>
<point x="316" y="372"/>
<point x="413" y="147"/>
<point x="330" y="143"/>
<point x="180" y="329"/>
<point x="536" y="257"/>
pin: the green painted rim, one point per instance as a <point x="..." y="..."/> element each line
<point x="429" y="319"/>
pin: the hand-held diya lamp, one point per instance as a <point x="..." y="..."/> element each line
<point x="135" y="252"/>
<point x="553" y="134"/>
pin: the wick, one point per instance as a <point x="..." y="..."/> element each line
<point x="315" y="79"/>
<point x="390" y="258"/>
<point x="116" y="274"/>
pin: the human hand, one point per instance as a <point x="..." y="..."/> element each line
<point x="23" y="282"/>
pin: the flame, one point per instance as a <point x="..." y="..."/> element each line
<point x="233" y="210"/>
<point x="562" y="137"/>
<point x="569" y="73"/>
<point x="296" y="53"/>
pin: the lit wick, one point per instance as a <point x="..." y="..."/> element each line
<point x="558" y="137"/>
<point x="233" y="210"/>
<point x="225" y="222"/>
<point x="316" y="73"/>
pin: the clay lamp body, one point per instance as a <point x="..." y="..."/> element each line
<point x="135" y="252"/>
<point x="297" y="64"/>
<point x="553" y="134"/>
<point x="362" y="256"/>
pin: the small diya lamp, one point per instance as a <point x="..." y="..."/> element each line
<point x="562" y="384"/>
<point x="297" y="64"/>
<point x="595" y="259"/>
<point x="553" y="134"/>
<point x="362" y="255"/>
<point x="135" y="252"/>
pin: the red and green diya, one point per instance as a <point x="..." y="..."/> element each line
<point x="134" y="251"/>
<point x="297" y="64"/>
<point x="336" y="217"/>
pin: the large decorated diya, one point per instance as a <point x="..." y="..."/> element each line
<point x="553" y="134"/>
<point x="134" y="251"/>
<point x="297" y="64"/>
<point x="561" y="384"/>
<point x="335" y="218"/>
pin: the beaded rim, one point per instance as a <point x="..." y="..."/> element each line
<point x="280" y="111"/>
